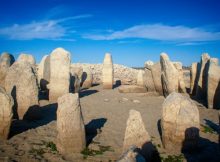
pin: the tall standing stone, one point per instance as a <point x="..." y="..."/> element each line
<point x="40" y="74"/>
<point x="6" y="60"/>
<point x="213" y="88"/>
<point x="156" y="74"/>
<point x="59" y="74"/>
<point x="6" y="114"/>
<point x="194" y="77"/>
<point x="149" y="82"/>
<point x="135" y="133"/>
<point x="71" y="131"/>
<point x="170" y="75"/>
<point x="201" y="90"/>
<point x="180" y="122"/>
<point x="21" y="83"/>
<point x="107" y="72"/>
<point x="87" y="78"/>
<point x="181" y="82"/>
<point x="75" y="81"/>
<point x="46" y="72"/>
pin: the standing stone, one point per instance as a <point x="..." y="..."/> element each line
<point x="170" y="75"/>
<point x="71" y="131"/>
<point x="6" y="114"/>
<point x="40" y="74"/>
<point x="135" y="133"/>
<point x="107" y="72"/>
<point x="201" y="90"/>
<point x="156" y="74"/>
<point x="213" y="88"/>
<point x="194" y="77"/>
<point x="27" y="58"/>
<point x="59" y="74"/>
<point x="46" y="72"/>
<point x="180" y="122"/>
<point x="21" y="83"/>
<point x="87" y="78"/>
<point x="181" y="83"/>
<point x="141" y="78"/>
<point x="74" y="81"/>
<point x="6" y="60"/>
<point x="149" y="82"/>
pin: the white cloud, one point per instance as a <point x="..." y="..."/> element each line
<point x="48" y="29"/>
<point x="159" y="32"/>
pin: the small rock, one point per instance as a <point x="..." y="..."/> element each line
<point x="124" y="99"/>
<point x="136" y="101"/>
<point x="106" y="100"/>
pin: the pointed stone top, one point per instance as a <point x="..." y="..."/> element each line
<point x="205" y="56"/>
<point x="164" y="56"/>
<point x="108" y="58"/>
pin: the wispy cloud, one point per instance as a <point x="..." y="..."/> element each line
<point x="47" y="29"/>
<point x="159" y="32"/>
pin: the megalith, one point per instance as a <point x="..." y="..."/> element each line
<point x="141" y="78"/>
<point x="27" y="58"/>
<point x="40" y="74"/>
<point x="156" y="75"/>
<point x="170" y="75"/>
<point x="75" y="81"/>
<point x="21" y="83"/>
<point x="201" y="90"/>
<point x="180" y="122"/>
<point x="107" y="72"/>
<point x="70" y="125"/>
<point x="213" y="88"/>
<point x="59" y="74"/>
<point x="6" y="60"/>
<point x="6" y="113"/>
<point x="194" y="77"/>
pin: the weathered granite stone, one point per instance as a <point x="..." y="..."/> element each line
<point x="70" y="125"/>
<point x="107" y="72"/>
<point x="156" y="73"/>
<point x="87" y="78"/>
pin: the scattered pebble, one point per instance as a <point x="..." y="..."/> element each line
<point x="106" y="100"/>
<point x="136" y="101"/>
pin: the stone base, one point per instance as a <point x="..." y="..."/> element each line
<point x="132" y="89"/>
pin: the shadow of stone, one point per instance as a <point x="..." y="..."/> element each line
<point x="86" y="92"/>
<point x="216" y="102"/>
<point x="43" y="116"/>
<point x="93" y="128"/>
<point x="117" y="84"/>
<point x="150" y="152"/>
<point x="15" y="106"/>
<point x="159" y="128"/>
<point x="84" y="76"/>
<point x="201" y="150"/>
<point x="214" y="126"/>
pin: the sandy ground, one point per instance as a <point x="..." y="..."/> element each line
<point x="105" y="114"/>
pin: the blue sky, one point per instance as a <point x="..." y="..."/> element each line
<point x="133" y="31"/>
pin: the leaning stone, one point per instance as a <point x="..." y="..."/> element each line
<point x="132" y="155"/>
<point x="6" y="114"/>
<point x="87" y="78"/>
<point x="107" y="72"/>
<point x="6" y="60"/>
<point x="156" y="74"/>
<point x="213" y="88"/>
<point x="132" y="89"/>
<point x="59" y="74"/>
<point x="201" y="90"/>
<point x="170" y="75"/>
<point x="180" y="122"/>
<point x="21" y="83"/>
<point x="70" y="126"/>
